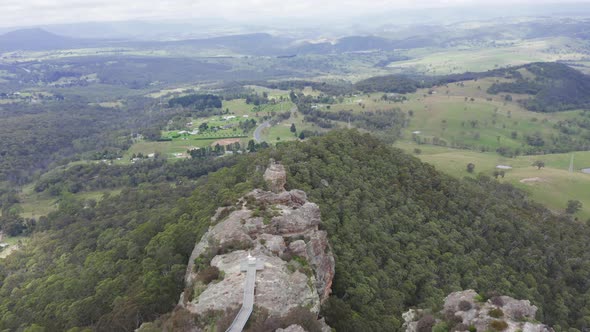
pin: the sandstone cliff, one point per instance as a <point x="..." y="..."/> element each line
<point x="464" y="311"/>
<point x="278" y="227"/>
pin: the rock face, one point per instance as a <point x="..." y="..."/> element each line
<point x="292" y="328"/>
<point x="462" y="310"/>
<point x="278" y="227"/>
<point x="276" y="177"/>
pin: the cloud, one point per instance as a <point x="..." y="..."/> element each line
<point x="40" y="12"/>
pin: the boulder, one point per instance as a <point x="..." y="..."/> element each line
<point x="298" y="248"/>
<point x="230" y="232"/>
<point x="292" y="328"/>
<point x="297" y="221"/>
<point x="463" y="304"/>
<point x="276" y="177"/>
<point x="453" y="300"/>
<point x="518" y="309"/>
<point x="410" y="318"/>
<point x="274" y="243"/>
<point x="531" y="327"/>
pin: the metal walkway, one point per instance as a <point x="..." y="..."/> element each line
<point x="250" y="265"/>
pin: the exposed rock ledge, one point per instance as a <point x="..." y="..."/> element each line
<point x="465" y="312"/>
<point x="278" y="227"/>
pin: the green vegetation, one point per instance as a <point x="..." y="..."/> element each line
<point x="555" y="87"/>
<point x="393" y="83"/>
<point x="110" y="164"/>
<point x="485" y="56"/>
<point x="499" y="325"/>
<point x="496" y="313"/>
<point x="123" y="257"/>
<point x="199" y="102"/>
<point x="403" y="234"/>
<point x="552" y="186"/>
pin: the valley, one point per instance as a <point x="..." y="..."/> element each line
<point x="439" y="158"/>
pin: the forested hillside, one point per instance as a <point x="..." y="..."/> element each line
<point x="389" y="83"/>
<point x="35" y="136"/>
<point x="555" y="87"/>
<point x="404" y="235"/>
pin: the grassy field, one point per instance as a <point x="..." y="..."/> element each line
<point x="34" y="205"/>
<point x="237" y="106"/>
<point x="177" y="148"/>
<point x="171" y="149"/>
<point x="552" y="186"/>
<point x="13" y="243"/>
<point x="461" y="59"/>
<point x="464" y="115"/>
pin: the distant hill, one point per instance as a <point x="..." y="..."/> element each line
<point x="362" y="43"/>
<point x="254" y="44"/>
<point x="267" y="44"/>
<point x="36" y="40"/>
<point x="555" y="87"/>
<point x="247" y="44"/>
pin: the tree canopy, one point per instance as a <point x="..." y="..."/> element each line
<point x="404" y="235"/>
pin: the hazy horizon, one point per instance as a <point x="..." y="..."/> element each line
<point x="17" y="13"/>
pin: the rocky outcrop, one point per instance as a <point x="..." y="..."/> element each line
<point x="292" y="328"/>
<point x="278" y="227"/>
<point x="275" y="177"/>
<point x="463" y="311"/>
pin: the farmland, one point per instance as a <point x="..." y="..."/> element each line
<point x="552" y="185"/>
<point x="460" y="123"/>
<point x="476" y="58"/>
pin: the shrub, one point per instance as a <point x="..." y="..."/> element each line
<point x="208" y="274"/>
<point x="451" y="318"/>
<point x="228" y="317"/>
<point x="499" y="325"/>
<point x="188" y="294"/>
<point x="441" y="327"/>
<point x="302" y="317"/>
<point x="460" y="327"/>
<point x="465" y="306"/>
<point x="496" y="313"/>
<point x="235" y="245"/>
<point x="519" y="315"/>
<point x="426" y="323"/>
<point x="472" y="328"/>
<point x="180" y="320"/>
<point x="479" y="298"/>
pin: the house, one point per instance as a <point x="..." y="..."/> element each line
<point x="228" y="126"/>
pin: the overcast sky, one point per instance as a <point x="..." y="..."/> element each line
<point x="41" y="12"/>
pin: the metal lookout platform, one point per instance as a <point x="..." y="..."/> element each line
<point x="250" y="265"/>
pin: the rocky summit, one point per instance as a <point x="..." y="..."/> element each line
<point x="277" y="227"/>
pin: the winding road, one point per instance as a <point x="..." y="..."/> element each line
<point x="265" y="125"/>
<point x="259" y="130"/>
